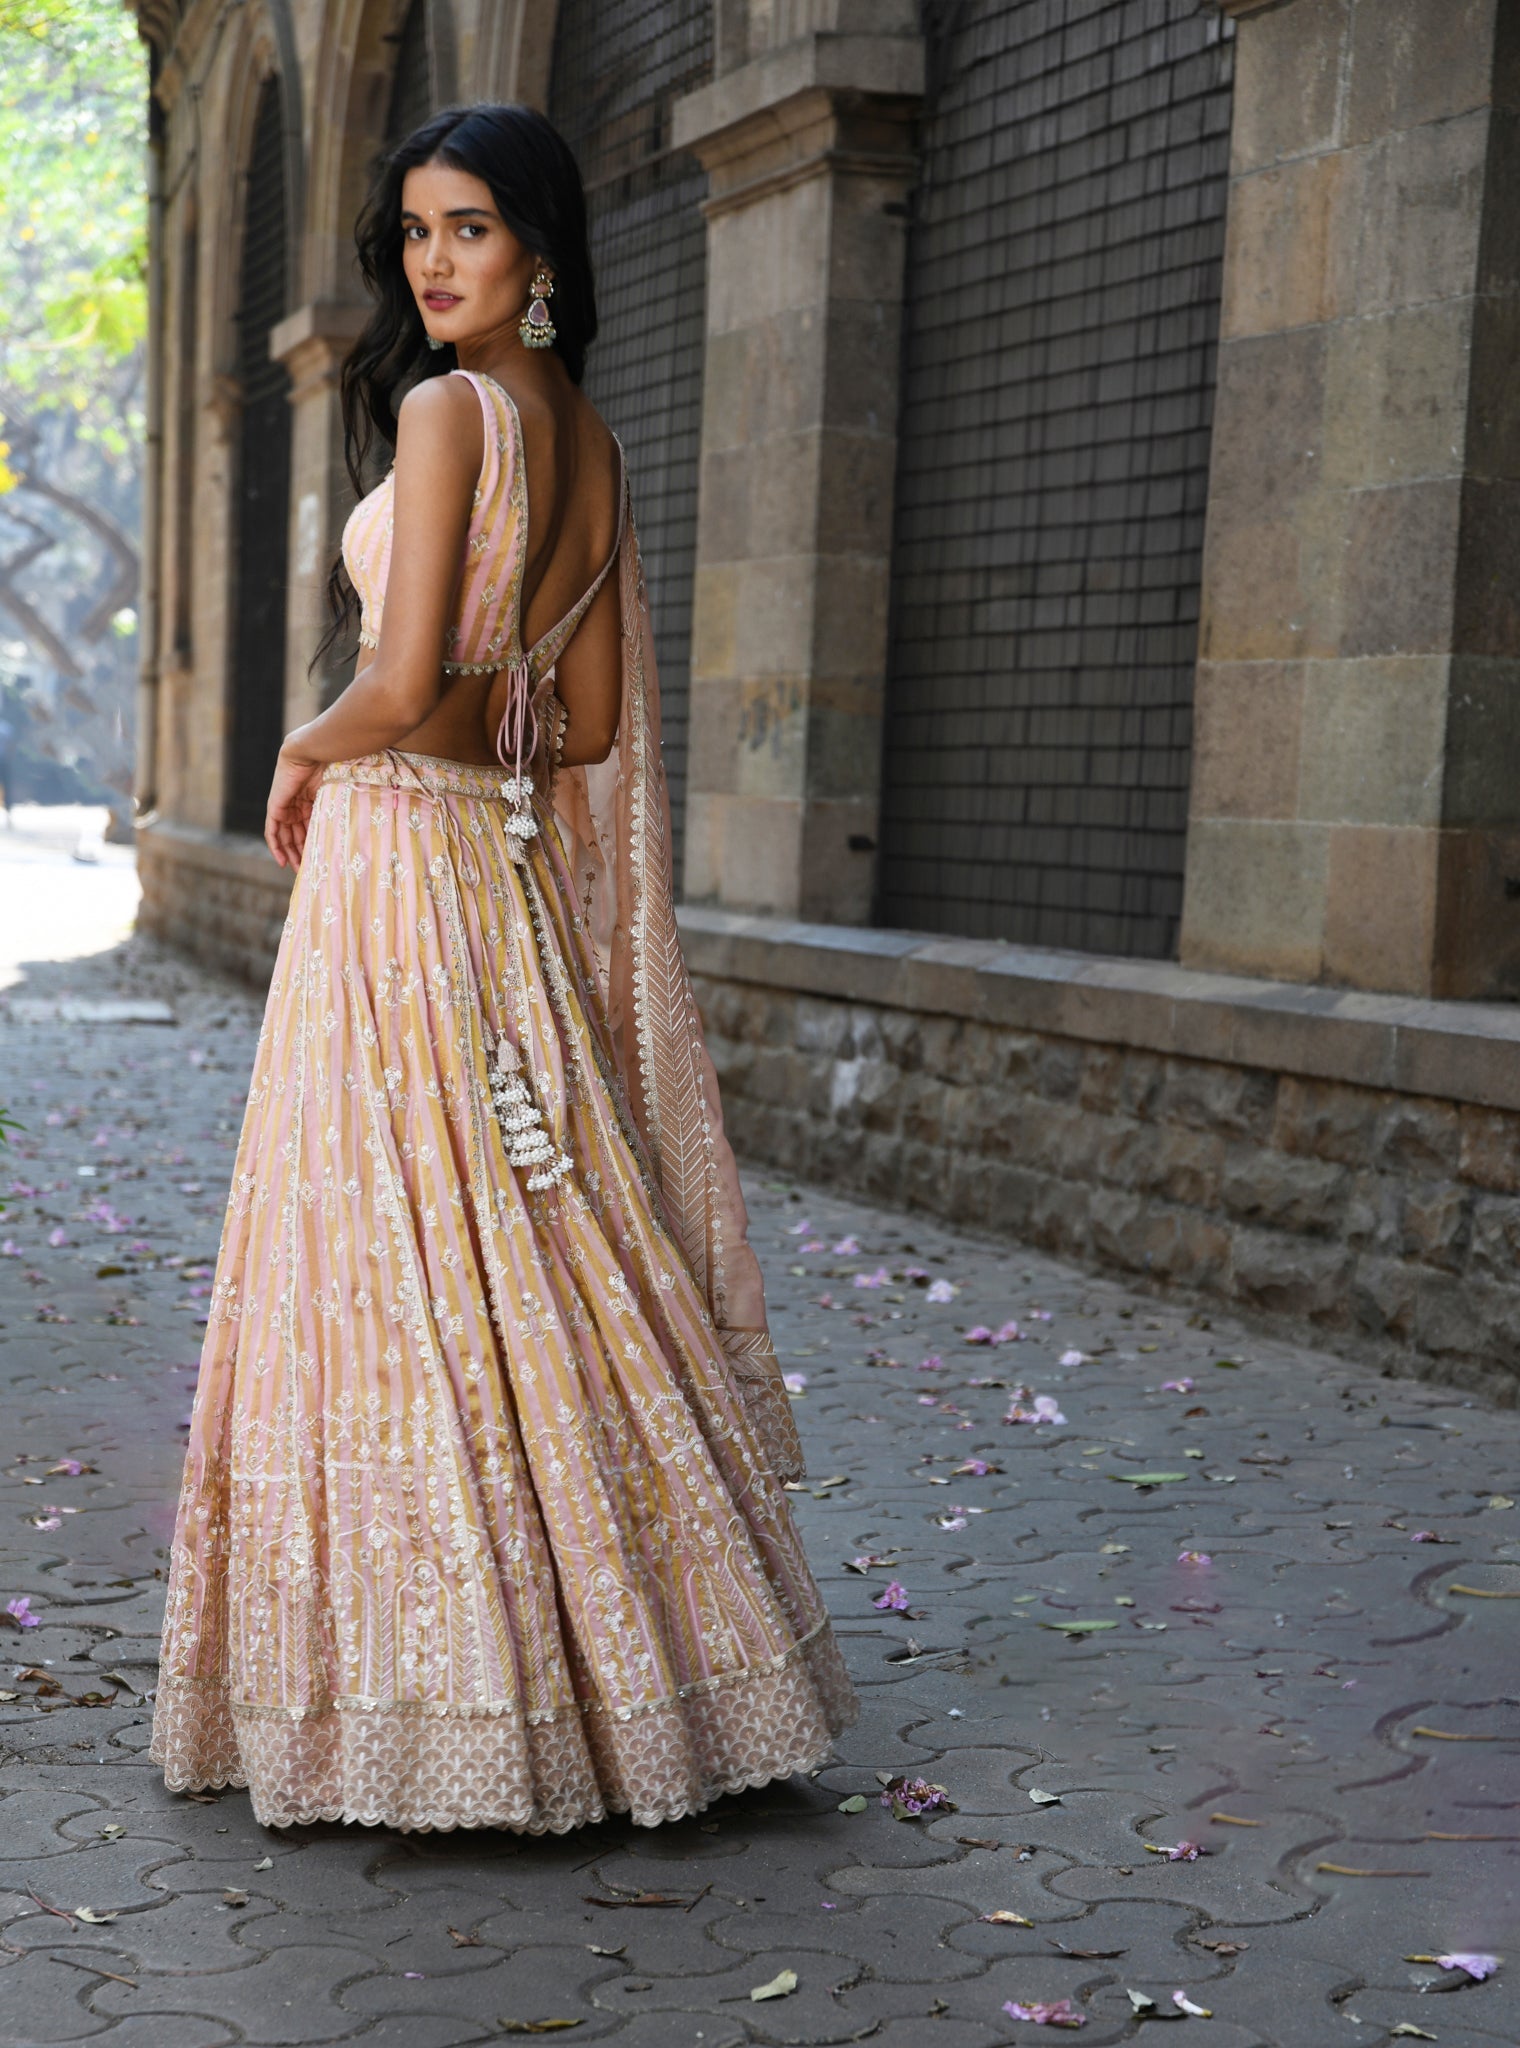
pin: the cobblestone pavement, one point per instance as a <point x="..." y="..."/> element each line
<point x="1293" y="1650"/>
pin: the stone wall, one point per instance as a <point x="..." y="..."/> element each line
<point x="217" y="896"/>
<point x="1361" y="1189"/>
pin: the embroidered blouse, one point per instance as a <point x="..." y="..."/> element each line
<point x="485" y="632"/>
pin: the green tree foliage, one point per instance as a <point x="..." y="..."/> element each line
<point x="73" y="248"/>
<point x="73" y="313"/>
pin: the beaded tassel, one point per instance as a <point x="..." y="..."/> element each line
<point x="528" y="1144"/>
<point x="518" y="790"/>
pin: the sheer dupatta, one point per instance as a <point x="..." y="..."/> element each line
<point x="614" y="818"/>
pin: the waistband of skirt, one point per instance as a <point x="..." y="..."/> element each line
<point x="421" y="775"/>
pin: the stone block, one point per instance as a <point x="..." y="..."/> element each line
<point x="1291" y="1275"/>
<point x="1254" y="898"/>
<point x="1059" y="1070"/>
<point x="1246" y="739"/>
<point x="1477" y="948"/>
<point x="1237" y="1101"/>
<point x="1327" y="1120"/>
<point x="1494" y="393"/>
<point x="1383" y="887"/>
<point x="1401" y="566"/>
<point x="1487" y="622"/>
<point x="821" y="1027"/>
<point x="1287" y="83"/>
<point x="1285" y="1191"/>
<point x="760" y="850"/>
<point x="1288" y="257"/>
<point x="1102" y="1078"/>
<point x="1181" y="1165"/>
<point x="1410" y="63"/>
<point x="1383" y="1297"/>
<point x="1489" y="1148"/>
<point x="1373" y="740"/>
<point x="1437" y="1223"/>
<point x="1482" y="760"/>
<point x="1495" y="1237"/>
<point x="1447" y="1316"/>
<point x="1261" y="475"/>
<point x="1396" y="396"/>
<point x="1375" y="1212"/>
<point x="1144" y="1082"/>
<point x="1420" y="212"/>
<point x="1416" y="1137"/>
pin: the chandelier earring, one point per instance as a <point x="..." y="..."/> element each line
<point x="536" y="325"/>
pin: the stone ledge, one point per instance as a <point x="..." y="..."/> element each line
<point x="888" y="66"/>
<point x="1456" y="1051"/>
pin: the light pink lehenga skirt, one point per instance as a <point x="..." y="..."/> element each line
<point x="474" y="1528"/>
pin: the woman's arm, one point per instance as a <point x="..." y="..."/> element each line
<point x="439" y="451"/>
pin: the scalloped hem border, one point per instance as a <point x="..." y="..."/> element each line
<point x="740" y="1781"/>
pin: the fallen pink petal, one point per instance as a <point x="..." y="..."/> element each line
<point x="1060" y="2014"/>
<point x="1184" y="1852"/>
<point x="933" y="1363"/>
<point x="794" y="1382"/>
<point x="847" y="1248"/>
<point x="894" y="1596"/>
<point x="20" y="1612"/>
<point x="58" y="1236"/>
<point x="1194" y="1557"/>
<point x="916" y="1795"/>
<point x="1071" y="1357"/>
<point x="1423" y="1536"/>
<point x="1007" y="1333"/>
<point x="942" y="1290"/>
<point x="980" y="1335"/>
<point x="1476" y="1966"/>
<point x="1177" y="1386"/>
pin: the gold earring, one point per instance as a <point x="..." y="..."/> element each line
<point x="536" y="325"/>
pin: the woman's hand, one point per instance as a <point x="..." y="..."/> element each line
<point x="291" y="796"/>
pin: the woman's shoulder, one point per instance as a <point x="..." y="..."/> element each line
<point x="440" y="432"/>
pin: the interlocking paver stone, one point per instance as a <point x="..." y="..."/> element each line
<point x="1292" y="1680"/>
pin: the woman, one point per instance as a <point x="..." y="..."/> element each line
<point x="482" y="1521"/>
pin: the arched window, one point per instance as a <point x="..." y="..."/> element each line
<point x="411" y="98"/>
<point x="619" y="66"/>
<point x="257" y="721"/>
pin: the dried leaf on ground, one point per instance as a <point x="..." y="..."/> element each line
<point x="1003" y="1917"/>
<point x="778" y="1986"/>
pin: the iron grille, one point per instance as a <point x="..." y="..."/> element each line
<point x="619" y="67"/>
<point x="1059" y="354"/>
<point x="257" y="721"/>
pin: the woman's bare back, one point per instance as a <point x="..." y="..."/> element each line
<point x="573" y="473"/>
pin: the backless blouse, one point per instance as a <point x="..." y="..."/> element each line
<point x="485" y="633"/>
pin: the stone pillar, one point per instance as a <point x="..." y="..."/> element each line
<point x="808" y="145"/>
<point x="1356" y="786"/>
<point x="312" y="343"/>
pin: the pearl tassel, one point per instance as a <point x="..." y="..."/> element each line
<point x="528" y="1144"/>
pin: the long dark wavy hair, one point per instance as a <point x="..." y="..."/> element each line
<point x="536" y="184"/>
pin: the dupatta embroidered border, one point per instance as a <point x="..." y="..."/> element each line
<point x="616" y="818"/>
